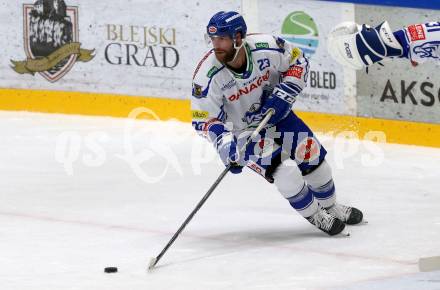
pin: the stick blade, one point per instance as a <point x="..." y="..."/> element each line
<point x="152" y="264"/>
<point x="429" y="264"/>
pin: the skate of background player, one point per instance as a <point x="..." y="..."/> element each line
<point x="92" y="104"/>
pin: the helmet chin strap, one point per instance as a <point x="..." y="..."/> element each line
<point x="237" y="48"/>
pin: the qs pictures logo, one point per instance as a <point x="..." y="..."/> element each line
<point x="51" y="40"/>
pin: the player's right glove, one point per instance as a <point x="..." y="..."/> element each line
<point x="281" y="101"/>
<point x="229" y="153"/>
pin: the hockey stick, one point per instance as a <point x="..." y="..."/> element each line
<point x="153" y="261"/>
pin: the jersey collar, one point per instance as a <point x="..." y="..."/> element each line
<point x="248" y="72"/>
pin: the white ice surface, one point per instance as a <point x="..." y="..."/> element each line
<point x="60" y="225"/>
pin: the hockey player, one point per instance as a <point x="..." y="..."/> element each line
<point x="358" y="46"/>
<point x="235" y="84"/>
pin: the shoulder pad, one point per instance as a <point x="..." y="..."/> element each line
<point x="207" y="66"/>
<point x="204" y="72"/>
<point x="279" y="41"/>
<point x="263" y="41"/>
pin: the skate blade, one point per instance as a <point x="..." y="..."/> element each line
<point x="362" y="223"/>
<point x="344" y="233"/>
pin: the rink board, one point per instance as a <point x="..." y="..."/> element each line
<point x="403" y="132"/>
<point x="144" y="59"/>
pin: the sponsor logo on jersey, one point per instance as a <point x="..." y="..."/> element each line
<point x="213" y="70"/>
<point x="249" y="88"/>
<point x="250" y="81"/>
<point x="197" y="91"/>
<point x="428" y="50"/>
<point x="294" y="71"/>
<point x="416" y="32"/>
<point x="307" y="150"/>
<point x="51" y="40"/>
<point x="199" y="115"/>
<point x="253" y="116"/>
<point x="294" y="54"/>
<point x="229" y="85"/>
<point x="262" y="45"/>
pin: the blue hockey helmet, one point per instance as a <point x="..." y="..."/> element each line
<point x="226" y="24"/>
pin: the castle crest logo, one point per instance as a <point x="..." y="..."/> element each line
<point x="51" y="40"/>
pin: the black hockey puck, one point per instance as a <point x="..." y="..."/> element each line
<point x="110" y="269"/>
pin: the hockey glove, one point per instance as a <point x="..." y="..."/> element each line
<point x="281" y="101"/>
<point x="228" y="150"/>
<point x="358" y="46"/>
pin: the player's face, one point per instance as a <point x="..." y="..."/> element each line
<point x="223" y="48"/>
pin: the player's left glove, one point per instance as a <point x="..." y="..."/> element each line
<point x="229" y="153"/>
<point x="281" y="101"/>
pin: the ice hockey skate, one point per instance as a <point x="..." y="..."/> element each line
<point x="347" y="214"/>
<point x="327" y="222"/>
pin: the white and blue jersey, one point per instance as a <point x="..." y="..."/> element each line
<point x="223" y="97"/>
<point x="421" y="42"/>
